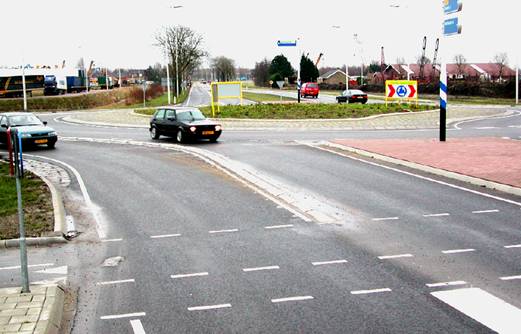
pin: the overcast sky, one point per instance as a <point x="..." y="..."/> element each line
<point x="120" y="33"/>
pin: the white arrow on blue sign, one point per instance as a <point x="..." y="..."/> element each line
<point x="451" y="27"/>
<point x="286" y="43"/>
<point x="453" y="6"/>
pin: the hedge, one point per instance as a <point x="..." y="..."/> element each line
<point x="67" y="102"/>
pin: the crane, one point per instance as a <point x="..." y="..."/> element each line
<point x="382" y="65"/>
<point x="422" y="60"/>
<point x="435" y="58"/>
<point x="318" y="59"/>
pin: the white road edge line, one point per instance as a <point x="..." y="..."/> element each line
<point x="261" y="268"/>
<point x="408" y="173"/>
<point x="386" y="218"/>
<point x="455" y="251"/>
<point x="515" y="114"/>
<point x="513" y="246"/>
<point x="224" y="231"/>
<point x="119" y="316"/>
<point x="291" y="299"/>
<point x="483" y="307"/>
<point x="453" y="283"/>
<point x="137" y="327"/>
<point x="131" y="280"/>
<point x="485" y="211"/>
<point x="437" y="215"/>
<point x="363" y="292"/>
<point x="29" y="266"/>
<point x="95" y="212"/>
<point x="164" y="236"/>
<point x="321" y="263"/>
<point x="387" y="257"/>
<point x="510" y="278"/>
<point x="189" y="275"/>
<point x="278" y="226"/>
<point x="208" y="307"/>
<point x="111" y="240"/>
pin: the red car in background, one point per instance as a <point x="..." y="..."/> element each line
<point x="309" y="89"/>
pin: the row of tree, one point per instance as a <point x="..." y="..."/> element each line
<point x="280" y="69"/>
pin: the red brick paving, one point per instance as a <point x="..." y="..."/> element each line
<point x="492" y="159"/>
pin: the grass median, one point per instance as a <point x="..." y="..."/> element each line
<point x="305" y="111"/>
<point x="37" y="202"/>
<point x="310" y="111"/>
<point x="256" y="97"/>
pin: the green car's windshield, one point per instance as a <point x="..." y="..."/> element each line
<point x="190" y="115"/>
<point x="24" y="120"/>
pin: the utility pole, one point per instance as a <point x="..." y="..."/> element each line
<point x="168" y="77"/>
<point x="176" y="73"/>
<point x="517" y="83"/>
<point x="120" y="83"/>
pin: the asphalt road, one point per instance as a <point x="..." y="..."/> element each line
<point x="202" y="252"/>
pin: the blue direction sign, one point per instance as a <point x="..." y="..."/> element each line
<point x="286" y="43"/>
<point x="451" y="27"/>
<point x="452" y="6"/>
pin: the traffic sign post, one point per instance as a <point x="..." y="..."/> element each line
<point x="292" y="43"/>
<point x="451" y="26"/>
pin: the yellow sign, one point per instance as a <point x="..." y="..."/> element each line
<point x="225" y="90"/>
<point x="401" y="90"/>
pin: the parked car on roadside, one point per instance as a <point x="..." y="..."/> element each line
<point x="31" y="129"/>
<point x="184" y="124"/>
<point x="309" y="89"/>
<point x="352" y="96"/>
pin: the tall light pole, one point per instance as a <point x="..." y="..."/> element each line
<point x="24" y="87"/>
<point x="357" y="41"/>
<point x="347" y="62"/>
<point x="176" y="97"/>
<point x="517" y="82"/>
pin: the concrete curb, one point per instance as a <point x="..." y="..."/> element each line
<point x="437" y="171"/>
<point x="69" y="119"/>
<point x="59" y="222"/>
<point x="56" y="313"/>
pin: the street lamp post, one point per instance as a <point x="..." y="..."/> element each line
<point x="24" y="87"/>
<point x="168" y="77"/>
<point x="347" y="62"/>
<point x="355" y="36"/>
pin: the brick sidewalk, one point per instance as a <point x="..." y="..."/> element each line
<point x="492" y="159"/>
<point x="392" y="121"/>
<point x="37" y="312"/>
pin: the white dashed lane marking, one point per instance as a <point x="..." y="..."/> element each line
<point x="513" y="246"/>
<point x="126" y="315"/>
<point x="278" y="226"/>
<point x="486" y="128"/>
<point x="224" y="231"/>
<point x="322" y="263"/>
<point x="137" y="327"/>
<point x="29" y="266"/>
<point x="209" y="307"/>
<point x="131" y="280"/>
<point x="111" y="240"/>
<point x="385" y="218"/>
<point x="387" y="257"/>
<point x="483" y="307"/>
<point x="437" y="215"/>
<point x="189" y="275"/>
<point x="164" y="236"/>
<point x="363" y="292"/>
<point x="455" y="251"/>
<point x="441" y="284"/>
<point x="261" y="268"/>
<point x="291" y="299"/>
<point x="510" y="278"/>
<point x="485" y="211"/>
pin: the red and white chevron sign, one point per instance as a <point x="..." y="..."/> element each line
<point x="401" y="89"/>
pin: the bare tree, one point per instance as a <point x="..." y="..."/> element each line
<point x="400" y="61"/>
<point x="185" y="44"/>
<point x="224" y="68"/>
<point x="501" y="59"/>
<point x="461" y="62"/>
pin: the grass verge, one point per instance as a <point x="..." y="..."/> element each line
<point x="256" y="97"/>
<point x="311" y="111"/>
<point x="37" y="202"/>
